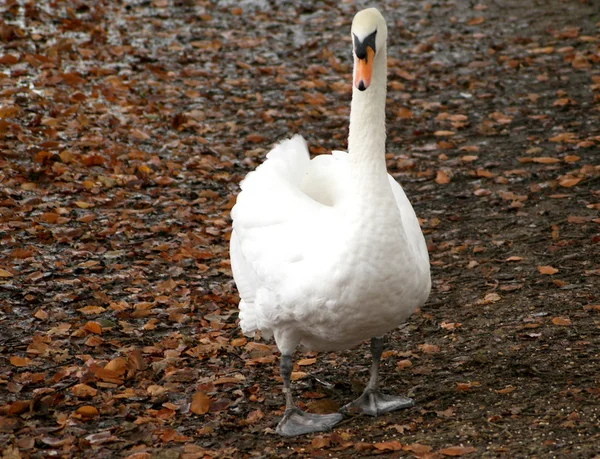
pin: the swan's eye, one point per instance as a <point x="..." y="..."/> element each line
<point x="360" y="47"/>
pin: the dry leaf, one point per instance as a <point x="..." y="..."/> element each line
<point x="514" y="258"/>
<point x="402" y="364"/>
<point x="568" y="182"/>
<point x="417" y="448"/>
<point x="429" y="348"/>
<point x="320" y="442"/>
<point x="200" y="403"/>
<point x="562" y="321"/>
<point x="457" y="450"/>
<point x="87" y="412"/>
<point x="93" y="327"/>
<point x="442" y="178"/>
<point x="388" y="446"/>
<point x="17" y="361"/>
<point x="549" y="270"/>
<point x="83" y="391"/>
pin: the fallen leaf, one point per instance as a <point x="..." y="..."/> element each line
<point x="93" y="327"/>
<point x="506" y="390"/>
<point x="417" y="448"/>
<point x="514" y="258"/>
<point x="548" y="270"/>
<point x="465" y="387"/>
<point x="405" y="363"/>
<point x="320" y="442"/>
<point x="83" y="391"/>
<point x="442" y="178"/>
<point x="457" y="450"/>
<point x="17" y="361"/>
<point x="388" y="446"/>
<point x="91" y="310"/>
<point x="568" y="182"/>
<point x="87" y="412"/>
<point x="561" y="321"/>
<point x="490" y="298"/>
<point x="429" y="348"/>
<point x="200" y="403"/>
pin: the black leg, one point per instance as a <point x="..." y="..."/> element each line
<point x="372" y="401"/>
<point x="295" y="421"/>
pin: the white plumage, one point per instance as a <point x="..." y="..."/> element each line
<point x="312" y="265"/>
<point x="328" y="252"/>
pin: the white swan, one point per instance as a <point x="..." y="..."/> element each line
<point x="327" y="253"/>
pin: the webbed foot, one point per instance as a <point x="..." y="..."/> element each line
<point x="297" y="422"/>
<point x="374" y="403"/>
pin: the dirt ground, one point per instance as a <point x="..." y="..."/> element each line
<point x="125" y="128"/>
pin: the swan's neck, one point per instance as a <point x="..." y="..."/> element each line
<point x="366" y="141"/>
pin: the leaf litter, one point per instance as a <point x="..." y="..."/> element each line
<point x="125" y="132"/>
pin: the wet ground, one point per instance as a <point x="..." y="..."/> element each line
<point x="124" y="131"/>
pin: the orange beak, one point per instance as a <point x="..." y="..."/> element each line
<point x="364" y="69"/>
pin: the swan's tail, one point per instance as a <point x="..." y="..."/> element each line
<point x="249" y="320"/>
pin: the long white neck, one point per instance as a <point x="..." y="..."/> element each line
<point x="366" y="141"/>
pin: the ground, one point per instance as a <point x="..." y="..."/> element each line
<point x="125" y="129"/>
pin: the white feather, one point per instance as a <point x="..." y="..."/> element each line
<point x="328" y="252"/>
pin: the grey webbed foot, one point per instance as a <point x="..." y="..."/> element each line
<point x="374" y="403"/>
<point x="297" y="422"/>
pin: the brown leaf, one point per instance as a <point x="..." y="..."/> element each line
<point x="457" y="450"/>
<point x="476" y="21"/>
<point x="548" y="270"/>
<point x="469" y="158"/>
<point x="404" y="113"/>
<point x="305" y="362"/>
<point x="465" y="387"/>
<point x="392" y="445"/>
<point x="490" y="298"/>
<point x="506" y="390"/>
<point x="545" y="160"/>
<point x="561" y="321"/>
<point x="200" y="403"/>
<point x="91" y="310"/>
<point x="417" y="448"/>
<point x="405" y="363"/>
<point x="118" y="365"/>
<point x="429" y="348"/>
<point x="254" y="416"/>
<point x="87" y="412"/>
<point x="5" y="273"/>
<point x="17" y="361"/>
<point x="442" y="178"/>
<point x="93" y="327"/>
<point x="568" y="182"/>
<point x="514" y="258"/>
<point x="320" y="442"/>
<point x="83" y="391"/>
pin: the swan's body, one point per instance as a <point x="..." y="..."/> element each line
<point x="329" y="252"/>
<point x="318" y="264"/>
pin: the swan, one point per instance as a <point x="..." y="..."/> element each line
<point x="328" y="252"/>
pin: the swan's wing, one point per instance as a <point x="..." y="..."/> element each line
<point x="276" y="226"/>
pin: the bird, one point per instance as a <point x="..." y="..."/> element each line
<point x="328" y="252"/>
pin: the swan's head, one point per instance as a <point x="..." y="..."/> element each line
<point x="369" y="36"/>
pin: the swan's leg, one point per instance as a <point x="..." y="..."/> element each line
<point x="372" y="401"/>
<point x="296" y="421"/>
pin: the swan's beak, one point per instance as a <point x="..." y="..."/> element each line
<point x="364" y="69"/>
